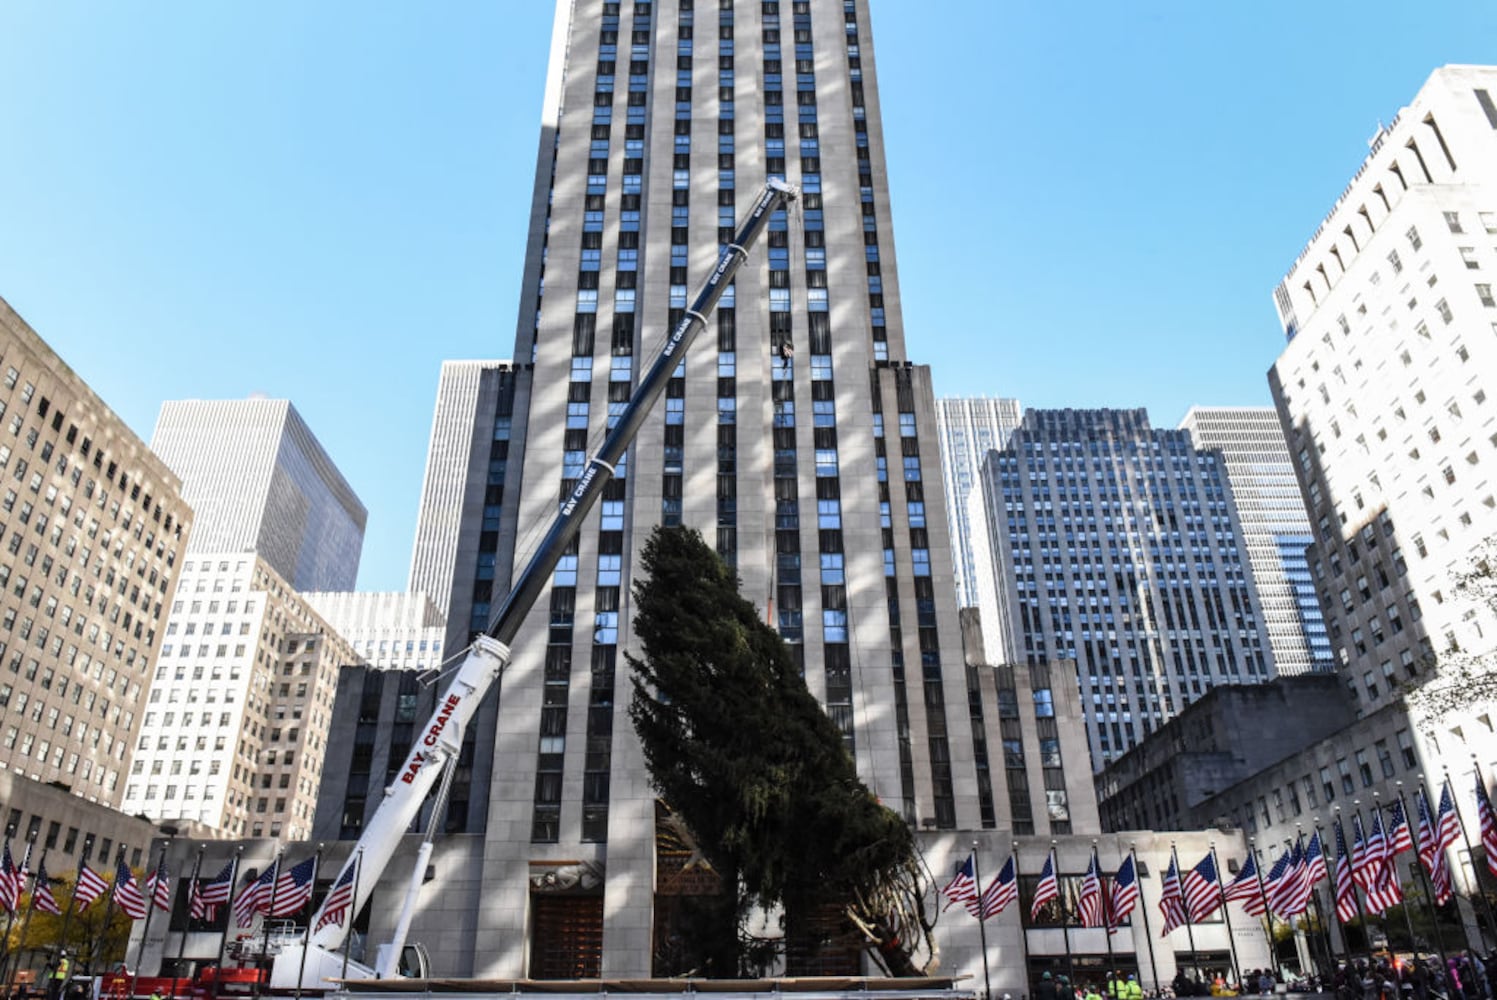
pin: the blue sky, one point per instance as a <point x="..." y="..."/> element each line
<point x="1092" y="201"/>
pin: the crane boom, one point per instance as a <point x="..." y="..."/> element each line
<point x="441" y="740"/>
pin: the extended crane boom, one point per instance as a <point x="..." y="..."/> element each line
<point x="441" y="740"/>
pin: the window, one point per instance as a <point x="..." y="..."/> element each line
<point x="1453" y="221"/>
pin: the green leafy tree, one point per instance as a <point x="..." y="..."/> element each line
<point x="739" y="747"/>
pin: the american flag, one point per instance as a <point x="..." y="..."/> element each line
<point x="1004" y="889"/>
<point x="1256" y="907"/>
<point x="1124" y="891"/>
<point x="89" y="888"/>
<point x="961" y="889"/>
<point x="159" y="887"/>
<point x="1346" y="890"/>
<point x="1171" y="903"/>
<point x="1244" y="888"/>
<point x="206" y="896"/>
<point x="127" y="892"/>
<point x="1399" y="837"/>
<point x="1447" y="823"/>
<point x="340" y="897"/>
<point x="41" y="892"/>
<point x="255" y="897"/>
<point x="10" y="881"/>
<point x="1046" y="889"/>
<point x="1366" y="864"/>
<point x="1285" y="893"/>
<point x="1203" y="893"/>
<point x="1093" y="913"/>
<point x="1488" y="824"/>
<point x="293" y="889"/>
<point x="1385" y="892"/>
<point x="1431" y="853"/>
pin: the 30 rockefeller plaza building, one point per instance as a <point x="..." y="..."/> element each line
<point x="796" y="438"/>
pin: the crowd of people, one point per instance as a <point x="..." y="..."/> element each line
<point x="1463" y="976"/>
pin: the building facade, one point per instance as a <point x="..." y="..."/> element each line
<point x="399" y="639"/>
<point x="235" y="728"/>
<point x="260" y="482"/>
<point x="1275" y="529"/>
<point x="463" y="490"/>
<point x="1232" y="733"/>
<point x="968" y="429"/>
<point x="1383" y="391"/>
<point x="804" y="450"/>
<point x="92" y="530"/>
<point x="1117" y="546"/>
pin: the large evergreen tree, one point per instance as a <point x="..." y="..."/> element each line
<point x="739" y="747"/>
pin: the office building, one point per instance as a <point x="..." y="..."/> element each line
<point x="1275" y="529"/>
<point x="1117" y="546"/>
<point x="1384" y="393"/>
<point x="93" y="527"/>
<point x="1226" y="737"/>
<point x="480" y="409"/>
<point x="398" y="637"/>
<point x="969" y="428"/>
<point x="808" y="456"/>
<point x="235" y="726"/>
<point x="260" y="482"/>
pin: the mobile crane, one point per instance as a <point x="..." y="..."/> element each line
<point x="441" y="739"/>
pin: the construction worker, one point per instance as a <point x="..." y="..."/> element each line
<point x="58" y="983"/>
<point x="1130" y="990"/>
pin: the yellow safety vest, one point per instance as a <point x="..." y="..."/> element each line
<point x="61" y="972"/>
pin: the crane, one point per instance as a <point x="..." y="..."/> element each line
<point x="436" y="747"/>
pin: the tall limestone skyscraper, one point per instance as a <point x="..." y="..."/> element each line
<point x="796" y="436"/>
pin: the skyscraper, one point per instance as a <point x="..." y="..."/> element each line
<point x="237" y="715"/>
<point x="796" y="436"/>
<point x="969" y="429"/>
<point x="1117" y="546"/>
<point x="1275" y="529"/>
<point x="1384" y="392"/>
<point x="260" y="482"/>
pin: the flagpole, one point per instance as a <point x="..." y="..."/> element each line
<point x="1106" y="892"/>
<point x="140" y="954"/>
<point x="223" y="942"/>
<point x="1065" y="922"/>
<point x="1227" y="917"/>
<point x="197" y="869"/>
<point x="275" y="884"/>
<point x="358" y="860"/>
<point x="1273" y="947"/>
<point x="1424" y="882"/>
<point x="25" y="920"/>
<point x="98" y="947"/>
<point x="1326" y="943"/>
<point x="67" y="918"/>
<point x="11" y="913"/>
<point x="1390" y="859"/>
<point x="1361" y="913"/>
<point x="1330" y="877"/>
<point x="1362" y="828"/>
<point x="1447" y="787"/>
<point x="1313" y="937"/>
<point x="1471" y="856"/>
<point x="307" y="936"/>
<point x="1190" y="936"/>
<point x="982" y="933"/>
<point x="1143" y="908"/>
